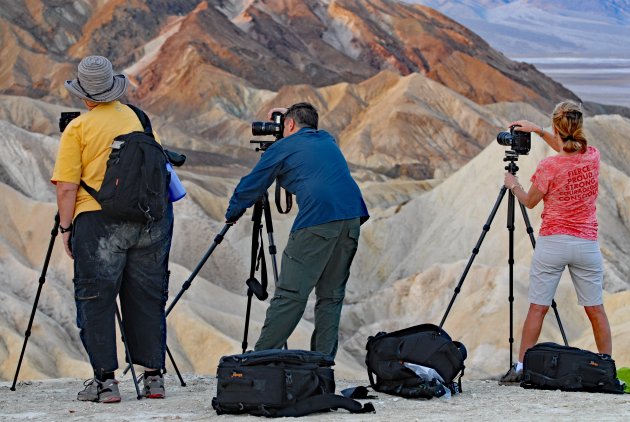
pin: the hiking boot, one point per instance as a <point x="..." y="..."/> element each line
<point x="100" y="391"/>
<point x="153" y="386"/>
<point x="511" y="377"/>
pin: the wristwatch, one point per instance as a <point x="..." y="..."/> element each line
<point x="65" y="229"/>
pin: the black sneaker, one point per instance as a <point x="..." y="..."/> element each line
<point x="512" y="377"/>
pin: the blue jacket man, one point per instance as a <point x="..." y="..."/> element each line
<point x="309" y="164"/>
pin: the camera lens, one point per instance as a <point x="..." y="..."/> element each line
<point x="265" y="128"/>
<point x="505" y="139"/>
<point x="519" y="141"/>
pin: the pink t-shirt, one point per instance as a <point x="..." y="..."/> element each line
<point x="570" y="185"/>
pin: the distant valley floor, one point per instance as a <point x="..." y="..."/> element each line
<point x="600" y="80"/>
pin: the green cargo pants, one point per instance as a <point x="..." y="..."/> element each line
<point x="316" y="257"/>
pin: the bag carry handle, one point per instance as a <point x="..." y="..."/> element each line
<point x="320" y="403"/>
<point x="371" y="377"/>
<point x="359" y="392"/>
<point x="535" y="380"/>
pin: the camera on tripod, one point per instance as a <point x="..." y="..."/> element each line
<point x="275" y="128"/>
<point x="521" y="142"/>
<point x="66" y="117"/>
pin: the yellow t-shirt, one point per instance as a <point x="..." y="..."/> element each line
<point x="85" y="147"/>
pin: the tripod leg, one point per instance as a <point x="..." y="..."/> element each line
<point x="179" y="375"/>
<point x="256" y="252"/>
<point x="42" y="280"/>
<point x="272" y="245"/>
<point x="528" y="226"/>
<point x="510" y="227"/>
<point x="554" y="306"/>
<point x="218" y="239"/>
<point x="247" y="313"/>
<point x="475" y="251"/>
<point x="127" y="353"/>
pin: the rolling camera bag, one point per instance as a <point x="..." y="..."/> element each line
<point x="276" y="383"/>
<point x="550" y="366"/>
<point x="392" y="357"/>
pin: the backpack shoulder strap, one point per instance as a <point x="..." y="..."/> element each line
<point x="144" y="119"/>
<point x="323" y="402"/>
<point x="89" y="190"/>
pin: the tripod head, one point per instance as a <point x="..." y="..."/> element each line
<point x="262" y="144"/>
<point x="511" y="157"/>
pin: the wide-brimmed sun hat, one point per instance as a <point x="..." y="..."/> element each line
<point x="96" y="81"/>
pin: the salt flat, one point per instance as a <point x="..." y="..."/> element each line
<point x="601" y="80"/>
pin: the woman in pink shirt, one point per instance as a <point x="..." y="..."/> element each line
<point x="567" y="183"/>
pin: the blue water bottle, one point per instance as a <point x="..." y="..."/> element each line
<point x="176" y="190"/>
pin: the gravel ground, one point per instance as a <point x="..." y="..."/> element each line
<point x="54" y="400"/>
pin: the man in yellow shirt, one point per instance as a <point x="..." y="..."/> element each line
<point x="111" y="257"/>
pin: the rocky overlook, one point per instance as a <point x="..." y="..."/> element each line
<point x="415" y="101"/>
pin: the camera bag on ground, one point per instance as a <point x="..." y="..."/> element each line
<point x="135" y="186"/>
<point x="417" y="362"/>
<point x="550" y="366"/>
<point x="276" y="383"/>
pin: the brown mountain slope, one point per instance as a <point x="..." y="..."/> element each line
<point x="268" y="44"/>
<point x="297" y="41"/>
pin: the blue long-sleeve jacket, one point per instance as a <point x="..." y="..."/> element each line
<point x="309" y="165"/>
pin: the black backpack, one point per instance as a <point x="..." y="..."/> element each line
<point x="277" y="383"/>
<point x="550" y="366"/>
<point x="425" y="345"/>
<point x="135" y="186"/>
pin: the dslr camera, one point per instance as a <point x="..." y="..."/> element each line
<point x="275" y="128"/>
<point x="66" y="117"/>
<point x="521" y="142"/>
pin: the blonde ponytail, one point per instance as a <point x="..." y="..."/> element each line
<point x="568" y="120"/>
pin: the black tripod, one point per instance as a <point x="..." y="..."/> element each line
<point x="511" y="157"/>
<point x="255" y="287"/>
<point x="42" y="280"/>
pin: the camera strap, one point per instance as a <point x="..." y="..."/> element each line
<point x="288" y="199"/>
<point x="258" y="288"/>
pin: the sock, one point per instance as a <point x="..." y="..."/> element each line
<point x="104" y="376"/>
<point x="519" y="366"/>
<point x="152" y="373"/>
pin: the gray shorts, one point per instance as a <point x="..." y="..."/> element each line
<point x="552" y="255"/>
